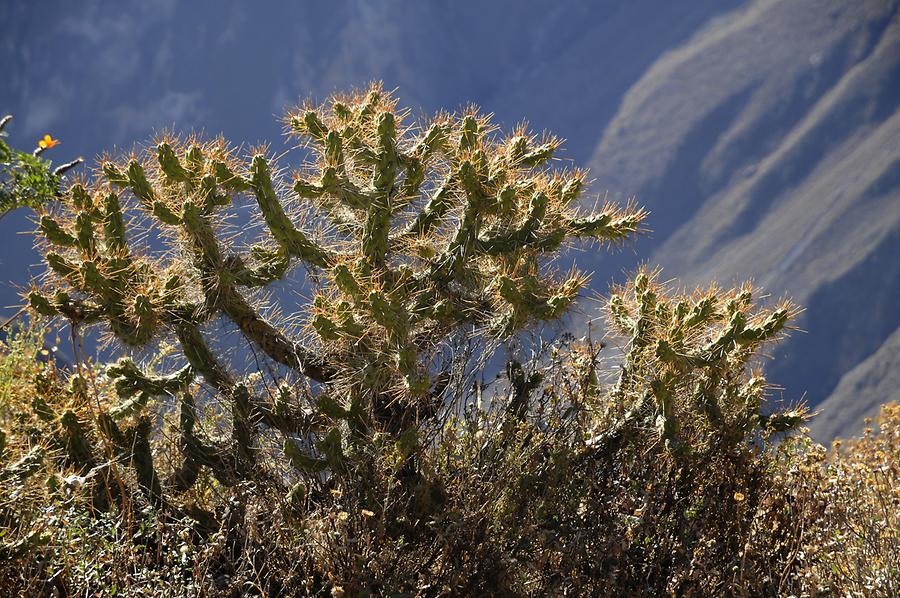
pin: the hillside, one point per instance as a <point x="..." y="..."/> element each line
<point x="768" y="147"/>
<point x="860" y="392"/>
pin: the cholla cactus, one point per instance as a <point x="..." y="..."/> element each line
<point x="416" y="231"/>
<point x="688" y="363"/>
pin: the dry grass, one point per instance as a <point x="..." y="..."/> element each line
<point x="498" y="505"/>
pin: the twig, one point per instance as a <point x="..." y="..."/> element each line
<point x="12" y="318"/>
<point x="64" y="168"/>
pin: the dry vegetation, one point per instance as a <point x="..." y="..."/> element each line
<point x="503" y="505"/>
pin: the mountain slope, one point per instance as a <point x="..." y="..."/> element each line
<point x="860" y="393"/>
<point x="768" y="147"/>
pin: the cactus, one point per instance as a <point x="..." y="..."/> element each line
<point x="697" y="349"/>
<point x="419" y="231"/>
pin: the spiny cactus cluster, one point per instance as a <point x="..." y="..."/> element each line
<point x="412" y="232"/>
<point x="687" y="360"/>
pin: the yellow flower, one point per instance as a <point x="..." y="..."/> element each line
<point x="367" y="513"/>
<point x="739" y="496"/>
<point x="47" y="142"/>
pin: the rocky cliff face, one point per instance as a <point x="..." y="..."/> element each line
<point x="763" y="136"/>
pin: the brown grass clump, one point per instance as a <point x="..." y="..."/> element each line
<point x="849" y="501"/>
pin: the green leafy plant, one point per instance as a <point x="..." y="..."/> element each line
<point x="27" y="180"/>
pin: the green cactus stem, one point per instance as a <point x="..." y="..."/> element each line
<point x="703" y="343"/>
<point x="133" y="447"/>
